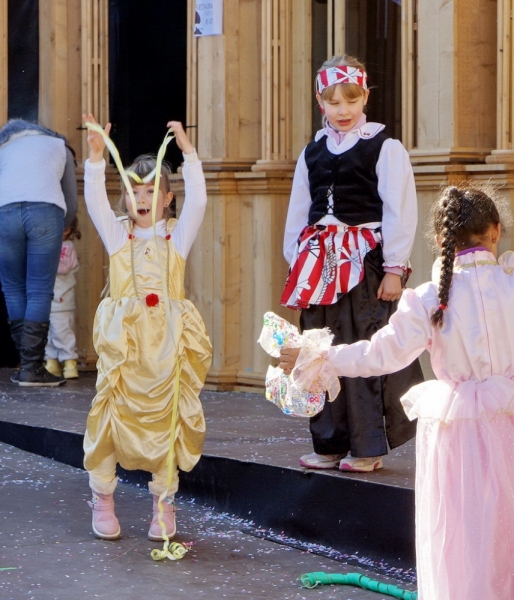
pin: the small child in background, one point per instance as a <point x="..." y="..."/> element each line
<point x="61" y="351"/>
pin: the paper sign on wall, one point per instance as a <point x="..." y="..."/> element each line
<point x="208" y="17"/>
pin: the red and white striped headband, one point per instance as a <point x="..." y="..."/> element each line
<point x="340" y="74"/>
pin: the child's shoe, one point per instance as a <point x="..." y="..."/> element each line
<point x="361" y="465"/>
<point x="320" y="461"/>
<point x="168" y="517"/>
<point x="53" y="366"/>
<point x="70" y="370"/>
<point x="105" y="524"/>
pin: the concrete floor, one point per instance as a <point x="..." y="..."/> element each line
<point x="47" y="551"/>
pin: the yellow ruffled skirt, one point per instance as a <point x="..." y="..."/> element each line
<point x="139" y="353"/>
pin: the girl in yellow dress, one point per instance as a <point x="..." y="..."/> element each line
<point x="141" y="342"/>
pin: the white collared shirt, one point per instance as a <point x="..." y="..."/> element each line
<point x="396" y="188"/>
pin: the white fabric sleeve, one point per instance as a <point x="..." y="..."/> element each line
<point x="195" y="202"/>
<point x="299" y="206"/>
<point x="392" y="348"/>
<point x="397" y="190"/>
<point x="112" y="233"/>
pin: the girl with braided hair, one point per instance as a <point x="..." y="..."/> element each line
<point x="465" y="438"/>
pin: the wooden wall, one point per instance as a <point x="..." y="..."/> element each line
<point x="235" y="272"/>
<point x="250" y="95"/>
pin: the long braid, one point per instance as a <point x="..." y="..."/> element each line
<point x="451" y="218"/>
<point x="462" y="218"/>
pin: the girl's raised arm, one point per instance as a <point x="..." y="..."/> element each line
<point x="193" y="210"/>
<point x="95" y="141"/>
<point x="181" y="137"/>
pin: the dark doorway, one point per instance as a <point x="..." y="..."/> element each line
<point x="373" y="35"/>
<point x="147" y="74"/>
<point x="23" y="59"/>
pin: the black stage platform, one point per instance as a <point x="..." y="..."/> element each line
<point x="249" y="469"/>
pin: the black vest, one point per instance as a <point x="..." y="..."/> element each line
<point x="350" y="177"/>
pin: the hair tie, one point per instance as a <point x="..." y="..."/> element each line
<point x="443" y="306"/>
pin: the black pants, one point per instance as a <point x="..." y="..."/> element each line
<point x="367" y="413"/>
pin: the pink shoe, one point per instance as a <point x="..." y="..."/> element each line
<point x="168" y="517"/>
<point x="361" y="465"/>
<point x="105" y="524"/>
<point x="320" y="461"/>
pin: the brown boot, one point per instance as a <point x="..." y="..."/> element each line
<point x="105" y="524"/>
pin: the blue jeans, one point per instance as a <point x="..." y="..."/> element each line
<point x="30" y="248"/>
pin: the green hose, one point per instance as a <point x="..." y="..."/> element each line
<point x="311" y="580"/>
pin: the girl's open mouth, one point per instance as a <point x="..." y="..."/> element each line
<point x="143" y="211"/>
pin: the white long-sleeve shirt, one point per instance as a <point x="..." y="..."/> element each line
<point x="114" y="234"/>
<point x="396" y="188"/>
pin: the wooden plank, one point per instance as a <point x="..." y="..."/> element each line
<point x="73" y="75"/>
<point x="86" y="103"/>
<point x="267" y="86"/>
<point x="408" y="62"/>
<point x="95" y="61"/>
<point x="192" y="75"/>
<point x="301" y="78"/>
<point x="92" y="274"/>
<point x="211" y="90"/>
<point x="275" y="79"/>
<point x="53" y="64"/>
<point x="201" y="272"/>
<point x="339" y="24"/>
<point x="330" y="28"/>
<point x="232" y="82"/>
<point x="435" y="70"/>
<point x="505" y="96"/>
<point x="247" y="135"/>
<point x="474" y="80"/>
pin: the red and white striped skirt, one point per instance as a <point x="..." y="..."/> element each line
<point x="328" y="262"/>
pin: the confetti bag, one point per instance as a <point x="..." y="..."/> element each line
<point x="301" y="394"/>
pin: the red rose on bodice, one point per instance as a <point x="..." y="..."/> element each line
<point x="152" y="300"/>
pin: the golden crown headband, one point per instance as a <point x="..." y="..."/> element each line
<point x="155" y="174"/>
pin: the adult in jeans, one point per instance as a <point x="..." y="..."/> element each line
<point x="38" y="200"/>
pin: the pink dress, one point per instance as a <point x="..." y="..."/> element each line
<point x="465" y="439"/>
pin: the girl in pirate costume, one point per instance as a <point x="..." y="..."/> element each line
<point x="349" y="232"/>
<point x="148" y="337"/>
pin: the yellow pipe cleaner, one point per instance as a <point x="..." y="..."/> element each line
<point x="173" y="550"/>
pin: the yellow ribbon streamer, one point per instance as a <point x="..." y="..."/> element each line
<point x="177" y="550"/>
<point x="173" y="550"/>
